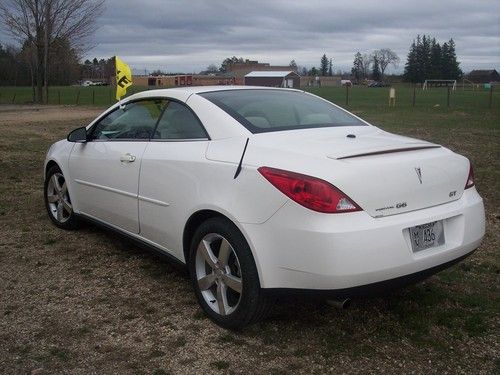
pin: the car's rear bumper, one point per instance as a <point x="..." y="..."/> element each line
<point x="369" y="290"/>
<point x="301" y="249"/>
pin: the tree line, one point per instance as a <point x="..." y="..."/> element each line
<point x="325" y="66"/>
<point x="427" y="59"/>
<point x="373" y="65"/>
<point x="16" y="68"/>
<point x="51" y="34"/>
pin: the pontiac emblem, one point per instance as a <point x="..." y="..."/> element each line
<point x="419" y="173"/>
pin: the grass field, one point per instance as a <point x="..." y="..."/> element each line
<point x="358" y="96"/>
<point x="90" y="302"/>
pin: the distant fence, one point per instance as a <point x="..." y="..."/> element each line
<point x="351" y="97"/>
<point x="66" y="95"/>
<point x="410" y="96"/>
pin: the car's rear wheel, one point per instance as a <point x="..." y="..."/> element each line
<point x="58" y="201"/>
<point x="224" y="275"/>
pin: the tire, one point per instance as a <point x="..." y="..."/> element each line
<point x="219" y="257"/>
<point x="58" y="201"/>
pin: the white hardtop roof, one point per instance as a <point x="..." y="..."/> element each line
<point x="185" y="92"/>
<point x="278" y="73"/>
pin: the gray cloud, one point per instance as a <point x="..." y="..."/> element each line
<point x="189" y="35"/>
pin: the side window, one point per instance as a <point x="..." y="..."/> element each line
<point x="178" y="122"/>
<point x="136" y="121"/>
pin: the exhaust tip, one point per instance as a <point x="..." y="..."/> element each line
<point x="339" y="303"/>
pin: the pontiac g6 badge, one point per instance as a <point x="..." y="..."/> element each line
<point x="419" y="173"/>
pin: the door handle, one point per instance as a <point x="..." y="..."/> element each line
<point x="128" y="158"/>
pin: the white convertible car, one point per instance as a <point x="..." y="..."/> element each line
<point x="262" y="190"/>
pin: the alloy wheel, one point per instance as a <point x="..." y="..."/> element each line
<point x="218" y="274"/>
<point x="58" y="198"/>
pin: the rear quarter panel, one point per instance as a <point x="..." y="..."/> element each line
<point x="177" y="180"/>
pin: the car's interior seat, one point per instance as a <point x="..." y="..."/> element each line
<point x="180" y="124"/>
<point x="257" y="118"/>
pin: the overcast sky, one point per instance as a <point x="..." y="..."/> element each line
<point x="190" y="35"/>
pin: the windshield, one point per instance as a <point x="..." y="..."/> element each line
<point x="273" y="110"/>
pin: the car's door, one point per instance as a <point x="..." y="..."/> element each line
<point x="105" y="170"/>
<point x="171" y="166"/>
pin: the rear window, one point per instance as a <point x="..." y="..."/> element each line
<point x="273" y="110"/>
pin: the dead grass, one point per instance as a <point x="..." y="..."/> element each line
<point x="91" y="302"/>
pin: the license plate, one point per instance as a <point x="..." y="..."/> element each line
<point x="427" y="235"/>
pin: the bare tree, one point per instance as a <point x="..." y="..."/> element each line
<point x="385" y="56"/>
<point x="212" y="68"/>
<point x="27" y="54"/>
<point x="366" y="62"/>
<point x="41" y="22"/>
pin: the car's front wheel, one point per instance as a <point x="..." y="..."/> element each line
<point x="224" y="275"/>
<point x="58" y="201"/>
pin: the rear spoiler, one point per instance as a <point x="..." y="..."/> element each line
<point x="389" y="151"/>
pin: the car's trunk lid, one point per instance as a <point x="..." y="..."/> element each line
<point x="385" y="174"/>
<point x="390" y="183"/>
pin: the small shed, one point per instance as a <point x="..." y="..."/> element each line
<point x="273" y="79"/>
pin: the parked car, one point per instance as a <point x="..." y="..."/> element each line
<point x="263" y="190"/>
<point x="94" y="83"/>
<point x="378" y="84"/>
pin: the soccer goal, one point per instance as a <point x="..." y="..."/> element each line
<point x="466" y="84"/>
<point x="440" y="83"/>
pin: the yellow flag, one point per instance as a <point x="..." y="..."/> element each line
<point x="123" y="78"/>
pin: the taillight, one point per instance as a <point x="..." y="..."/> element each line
<point x="311" y="192"/>
<point x="470" y="178"/>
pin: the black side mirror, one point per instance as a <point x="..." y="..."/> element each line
<point x="78" y="135"/>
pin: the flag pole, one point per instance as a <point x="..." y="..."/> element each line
<point x="123" y="80"/>
<point x="120" y="105"/>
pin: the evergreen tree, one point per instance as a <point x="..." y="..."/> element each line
<point x="410" y="73"/>
<point x="330" y="68"/>
<point x="454" y="65"/>
<point x="376" y="69"/>
<point x="445" y="57"/>
<point x="423" y="58"/>
<point x="357" y="67"/>
<point x="324" y="65"/>
<point x="435" y="60"/>
<point x="427" y="59"/>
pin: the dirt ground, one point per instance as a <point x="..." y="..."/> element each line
<point x="88" y="301"/>
<point x="11" y="115"/>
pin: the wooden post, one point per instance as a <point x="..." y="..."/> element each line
<point x="414" y="95"/>
<point x="448" y="96"/>
<point x="392" y="97"/>
<point x="491" y="96"/>
<point x="93" y="96"/>
<point x="59" y="97"/>
<point x="77" y="97"/>
<point x="346" y="94"/>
